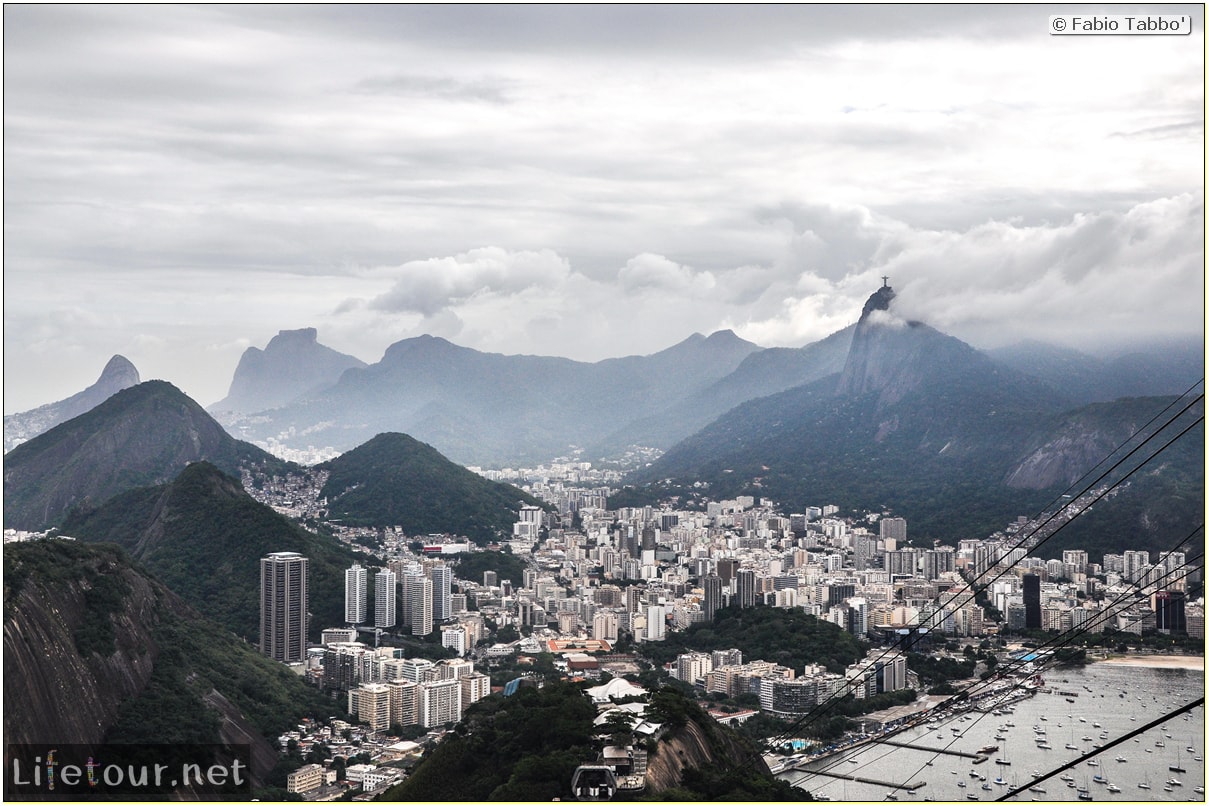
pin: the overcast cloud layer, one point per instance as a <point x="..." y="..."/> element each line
<point x="183" y="182"/>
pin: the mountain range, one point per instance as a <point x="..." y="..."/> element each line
<point x="491" y="409"/>
<point x="885" y="414"/>
<point x="128" y="448"/>
<point x="917" y="423"/>
<point x="506" y="410"/>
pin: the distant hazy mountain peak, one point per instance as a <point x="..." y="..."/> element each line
<point x="117" y="375"/>
<point x="304" y="335"/>
<point x="719" y="340"/>
<point x="119" y="371"/>
<point x="726" y="336"/>
<point x="292" y="366"/>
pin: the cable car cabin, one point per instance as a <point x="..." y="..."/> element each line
<point x="594" y="782"/>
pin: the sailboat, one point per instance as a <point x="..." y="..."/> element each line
<point x="1176" y="767"/>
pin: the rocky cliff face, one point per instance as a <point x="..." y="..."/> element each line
<point x="1085" y="437"/>
<point x="1065" y="457"/>
<point x="118" y="374"/>
<point x="52" y="692"/>
<point x="695" y="747"/>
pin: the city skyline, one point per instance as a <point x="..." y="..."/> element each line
<point x="183" y="182"/>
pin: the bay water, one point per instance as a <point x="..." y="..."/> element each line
<point x="1086" y="706"/>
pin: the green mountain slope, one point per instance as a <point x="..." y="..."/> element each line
<point x="203" y="536"/>
<point x="142" y="435"/>
<point x="395" y="480"/>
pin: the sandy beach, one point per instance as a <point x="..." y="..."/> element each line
<point x="1196" y="662"/>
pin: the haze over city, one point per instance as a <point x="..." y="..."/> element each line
<point x="182" y="183"/>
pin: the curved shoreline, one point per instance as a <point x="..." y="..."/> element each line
<point x="1191" y="662"/>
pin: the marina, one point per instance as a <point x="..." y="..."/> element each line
<point x="1124" y="773"/>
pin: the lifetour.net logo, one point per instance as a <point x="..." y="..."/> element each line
<point x="72" y="771"/>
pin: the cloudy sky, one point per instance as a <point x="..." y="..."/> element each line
<point x="180" y="183"/>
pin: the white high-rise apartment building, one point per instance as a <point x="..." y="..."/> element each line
<point x="418" y="592"/>
<point x="475" y="686"/>
<point x="355" y="588"/>
<point x="385" y="606"/>
<point x="453" y="636"/>
<point x="656" y="622"/>
<point x="442" y="589"/>
<point x="403" y="697"/>
<point x="440" y="702"/>
<point x="605" y="625"/>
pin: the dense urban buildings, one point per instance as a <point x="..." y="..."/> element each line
<point x="639" y="573"/>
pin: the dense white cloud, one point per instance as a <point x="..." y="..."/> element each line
<point x="429" y="286"/>
<point x="656" y="272"/>
<point x="581" y="181"/>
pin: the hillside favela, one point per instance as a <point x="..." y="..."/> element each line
<point x="715" y="618"/>
<point x="603" y="402"/>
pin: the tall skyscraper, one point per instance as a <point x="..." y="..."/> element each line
<point x="355" y="587"/>
<point x="1169" y="612"/>
<point x="442" y="589"/>
<point x="440" y="702"/>
<point x="1135" y="564"/>
<point x="1077" y="558"/>
<point x="418" y="590"/>
<point x="745" y="587"/>
<point x="385" y="607"/>
<point x="1032" y="601"/>
<point x="712" y="588"/>
<point x="283" y="606"/>
<point x="656" y="622"/>
<point x="648" y="539"/>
